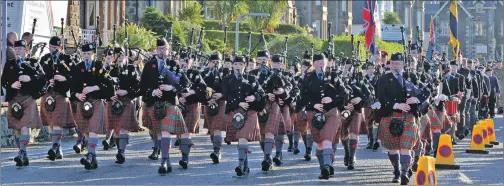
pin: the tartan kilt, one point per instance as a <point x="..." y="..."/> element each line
<point x="126" y="121"/>
<point x="300" y="124"/>
<point x="61" y="116"/>
<point x="424" y="125"/>
<point x="435" y="121"/>
<point x="192" y="117"/>
<point x="94" y="124"/>
<point x="31" y="116"/>
<point x="337" y="135"/>
<point x="407" y="140"/>
<point x="216" y="122"/>
<point x="328" y="132"/>
<point x="286" y="125"/>
<point x="368" y="116"/>
<point x="146" y="118"/>
<point x="351" y="125"/>
<point x="274" y="119"/>
<point x="250" y="131"/>
<point x="173" y="122"/>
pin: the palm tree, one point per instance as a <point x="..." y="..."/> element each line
<point x="192" y="13"/>
<point x="229" y="10"/>
<point x="274" y="8"/>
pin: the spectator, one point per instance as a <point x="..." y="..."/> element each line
<point x="28" y="38"/>
<point x="11" y="38"/>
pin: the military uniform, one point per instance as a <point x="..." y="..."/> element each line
<point x="23" y="112"/>
<point x="55" y="106"/>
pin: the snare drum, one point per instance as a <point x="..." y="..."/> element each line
<point x="451" y="107"/>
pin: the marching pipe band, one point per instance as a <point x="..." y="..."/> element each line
<point x="403" y="104"/>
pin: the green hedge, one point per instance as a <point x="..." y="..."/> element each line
<point x="243" y="42"/>
<point x="215" y="25"/>
<point x="290" y="29"/>
<point x="296" y="45"/>
<point x="343" y="44"/>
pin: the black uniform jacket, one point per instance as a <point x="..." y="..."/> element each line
<point x="198" y="85"/>
<point x="152" y="78"/>
<point x="314" y="90"/>
<point x="29" y="67"/>
<point x="95" y="76"/>
<point x="236" y="89"/>
<point x="61" y="64"/>
<point x="125" y="77"/>
<point x="390" y="91"/>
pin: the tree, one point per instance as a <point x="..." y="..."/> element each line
<point x="192" y="13"/>
<point x="139" y="37"/>
<point x="274" y="8"/>
<point x="227" y="11"/>
<point x="391" y="18"/>
<point x="154" y="20"/>
<point x="296" y="46"/>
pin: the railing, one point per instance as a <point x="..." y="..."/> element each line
<point x="88" y="36"/>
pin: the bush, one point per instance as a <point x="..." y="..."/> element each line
<point x="139" y="37"/>
<point x="290" y="29"/>
<point x="296" y="45"/>
<point x="243" y="42"/>
<point x="343" y="44"/>
<point x="216" y="25"/>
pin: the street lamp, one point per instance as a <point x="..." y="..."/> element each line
<point x="238" y="25"/>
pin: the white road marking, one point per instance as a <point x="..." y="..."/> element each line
<point x="462" y="177"/>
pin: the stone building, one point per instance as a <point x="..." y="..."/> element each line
<point x="313" y="15"/>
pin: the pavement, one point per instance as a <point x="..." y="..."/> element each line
<point x="372" y="168"/>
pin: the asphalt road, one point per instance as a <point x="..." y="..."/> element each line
<point x="371" y="168"/>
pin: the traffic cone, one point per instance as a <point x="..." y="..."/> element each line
<point x="491" y="132"/>
<point x="444" y="157"/>
<point x="486" y="139"/>
<point x="477" y="144"/>
<point x="426" y="173"/>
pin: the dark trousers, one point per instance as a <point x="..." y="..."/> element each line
<point x="463" y="108"/>
<point x="492" y="101"/>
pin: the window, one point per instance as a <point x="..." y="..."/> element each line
<point x="479" y="28"/>
<point x="479" y="8"/>
<point x="344" y="6"/>
<point x="444" y="28"/>
<point x="317" y="3"/>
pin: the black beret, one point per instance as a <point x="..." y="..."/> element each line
<point x="307" y="62"/>
<point x="348" y="61"/>
<point x="56" y="41"/>
<point x="108" y="52"/>
<point x="414" y="46"/>
<point x="488" y="70"/>
<point x="119" y="50"/>
<point x="88" y="47"/>
<point x="445" y="67"/>
<point x="453" y="62"/>
<point x="397" y="57"/>
<point x="426" y="66"/>
<point x="227" y="59"/>
<point x="214" y="57"/>
<point x="184" y="55"/>
<point x="20" y="43"/>
<point x="369" y="64"/>
<point x="317" y="57"/>
<point x="262" y="53"/>
<point x="251" y="60"/>
<point x="277" y="58"/>
<point x="239" y="59"/>
<point x="161" y="42"/>
<point x="307" y="55"/>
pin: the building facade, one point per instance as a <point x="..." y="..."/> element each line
<point x="313" y="16"/>
<point x="339" y="13"/>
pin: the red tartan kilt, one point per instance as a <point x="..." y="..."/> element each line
<point x="31" y="116"/>
<point x="337" y="135"/>
<point x="94" y="124"/>
<point x="173" y="122"/>
<point x="61" y="116"/>
<point x="407" y="140"/>
<point x="328" y="132"/>
<point x="286" y="125"/>
<point x="451" y="107"/>
<point x="250" y="131"/>
<point x="351" y="125"/>
<point x="368" y="119"/>
<point x="300" y="124"/>
<point x="274" y="119"/>
<point x="216" y="122"/>
<point x="146" y="118"/>
<point x="192" y="117"/>
<point x="424" y="125"/>
<point x="126" y="121"/>
<point x="435" y="121"/>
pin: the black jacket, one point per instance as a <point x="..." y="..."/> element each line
<point x="126" y="78"/>
<point x="96" y="76"/>
<point x="237" y="89"/>
<point x="390" y="92"/>
<point x="61" y="64"/>
<point x="314" y="90"/>
<point x="29" y="67"/>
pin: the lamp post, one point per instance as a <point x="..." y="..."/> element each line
<point x="238" y="25"/>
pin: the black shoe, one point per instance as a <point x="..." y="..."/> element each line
<point x="19" y="158"/>
<point x="351" y="163"/>
<point x="345" y="160"/>
<point x="397" y="175"/>
<point x="295" y="148"/>
<point x="307" y="155"/>
<point x="77" y="148"/>
<point x="290" y="148"/>
<point x="112" y="143"/>
<point x="453" y="141"/>
<point x="410" y="173"/>
<point x="278" y="159"/>
<point x="369" y="145"/>
<point x="404" y="180"/>
<point x="155" y="154"/>
<point x="331" y="170"/>
<point x="89" y="162"/>
<point x="267" y="164"/>
<point x="215" y="157"/>
<point x="165" y="167"/>
<point x="84" y="146"/>
<point x="325" y="172"/>
<point x="176" y="144"/>
<point x="184" y="161"/>
<point x="239" y="171"/>
<point x="105" y="144"/>
<point x="55" y="153"/>
<point x="120" y="157"/>
<point x="376" y="146"/>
